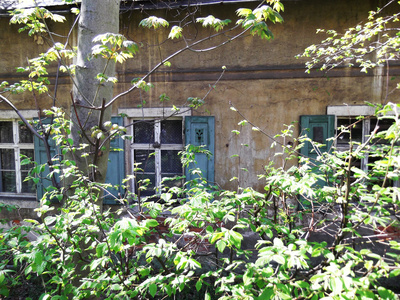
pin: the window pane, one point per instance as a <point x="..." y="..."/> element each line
<point x="6" y="132"/>
<point x="383" y="125"/>
<point x="140" y="183"/>
<point x="171" y="132"/>
<point x="146" y="160"/>
<point x="143" y="133"/>
<point x="27" y="153"/>
<point x="27" y="186"/>
<point x="355" y="130"/>
<point x="25" y="135"/>
<point x="7" y="161"/>
<point x="172" y="183"/>
<point x="7" y="182"/>
<point x="170" y="162"/>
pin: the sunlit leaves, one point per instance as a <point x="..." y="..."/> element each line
<point x="33" y="19"/>
<point x="139" y="83"/>
<point x="213" y="22"/>
<point x="195" y="102"/>
<point x="176" y="32"/>
<point x="277" y="5"/>
<point x="39" y="86"/>
<point x="75" y="10"/>
<point x="356" y="45"/>
<point x="255" y="20"/>
<point x="114" y="47"/>
<point x="101" y="77"/>
<point x="154" y="22"/>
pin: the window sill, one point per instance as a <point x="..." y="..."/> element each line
<point x="20" y="200"/>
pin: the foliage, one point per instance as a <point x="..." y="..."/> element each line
<point x="200" y="240"/>
<point x="366" y="45"/>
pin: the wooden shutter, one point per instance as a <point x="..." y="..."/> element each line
<point x="116" y="165"/>
<point x="41" y="158"/>
<point x="199" y="131"/>
<point x="318" y="128"/>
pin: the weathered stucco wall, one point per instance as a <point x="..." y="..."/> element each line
<point x="263" y="79"/>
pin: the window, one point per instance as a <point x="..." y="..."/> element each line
<point x="15" y="140"/>
<point x="158" y="134"/>
<point x="155" y="147"/>
<point x="320" y="128"/>
<point x="359" y="131"/>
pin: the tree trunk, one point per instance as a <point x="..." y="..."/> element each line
<point x="97" y="17"/>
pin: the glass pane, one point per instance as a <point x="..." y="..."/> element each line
<point x="318" y="134"/>
<point x="27" y="186"/>
<point x="146" y="160"/>
<point x="7" y="159"/>
<point x="143" y="133"/>
<point x="25" y="135"/>
<point x="7" y="182"/>
<point x="170" y="162"/>
<point x="171" y="183"/>
<point x="171" y="132"/>
<point x="27" y="153"/>
<point x="383" y="125"/>
<point x="355" y="129"/>
<point x="140" y="184"/>
<point x="6" y="132"/>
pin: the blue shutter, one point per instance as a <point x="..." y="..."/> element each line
<point x="199" y="131"/>
<point x="116" y="166"/>
<point x="41" y="158"/>
<point x="318" y="128"/>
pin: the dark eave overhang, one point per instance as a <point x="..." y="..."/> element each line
<point x="126" y="5"/>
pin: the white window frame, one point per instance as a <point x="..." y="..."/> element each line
<point x="345" y="111"/>
<point x="11" y="116"/>
<point x="153" y="114"/>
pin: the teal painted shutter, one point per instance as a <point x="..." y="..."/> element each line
<point x="318" y="128"/>
<point x="41" y="159"/>
<point x="199" y="131"/>
<point x="116" y="166"/>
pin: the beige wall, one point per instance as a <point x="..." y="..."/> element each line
<point x="263" y="79"/>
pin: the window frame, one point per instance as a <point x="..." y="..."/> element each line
<point x="353" y="111"/>
<point x="12" y="116"/>
<point x="157" y="115"/>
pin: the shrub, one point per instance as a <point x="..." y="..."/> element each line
<point x="314" y="232"/>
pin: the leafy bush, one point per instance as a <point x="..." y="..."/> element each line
<point x="204" y="242"/>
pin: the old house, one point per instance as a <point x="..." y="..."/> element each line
<point x="263" y="80"/>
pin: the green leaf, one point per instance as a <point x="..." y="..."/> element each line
<point x="153" y="289"/>
<point x="153" y="22"/>
<point x="4" y="291"/>
<point x="386" y="294"/>
<point x="199" y="284"/>
<point x="336" y="285"/>
<point x="176" y="32"/>
<point x="101" y="249"/>
<point x="151" y="223"/>
<point x="279" y="259"/>
<point x="266" y="294"/>
<point x="221" y="244"/>
<point x="235" y="238"/>
<point x="216" y="236"/>
<point x="213" y="22"/>
<point x="395" y="273"/>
